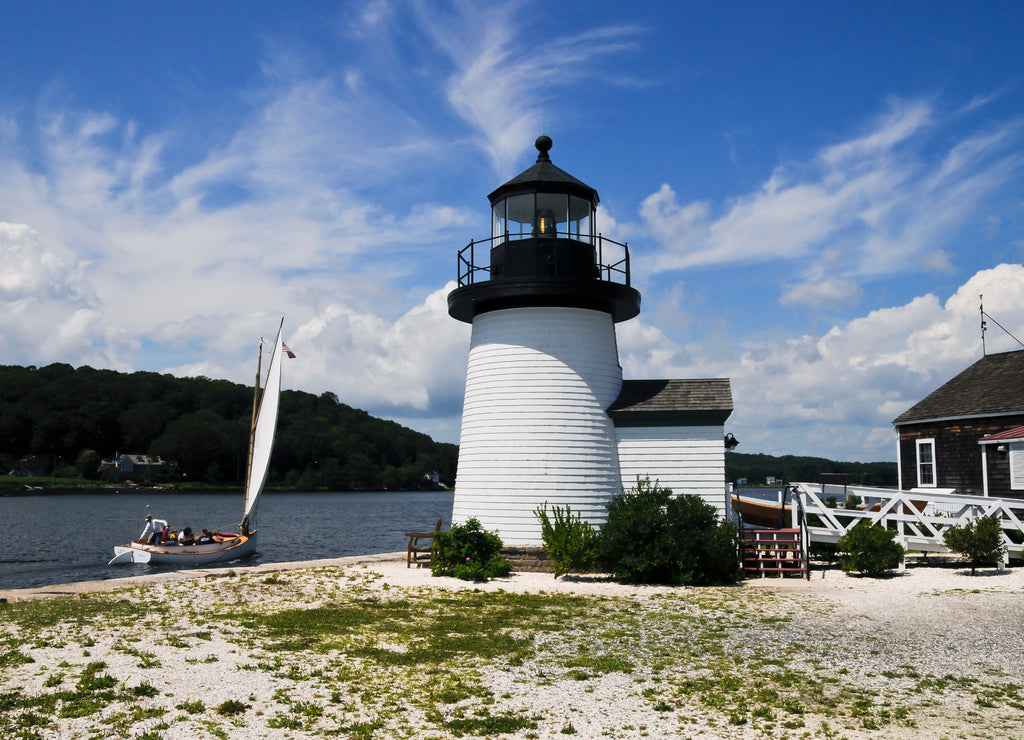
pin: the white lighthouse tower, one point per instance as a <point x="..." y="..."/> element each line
<point x="543" y="295"/>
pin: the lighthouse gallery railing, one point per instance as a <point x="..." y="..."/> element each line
<point x="614" y="270"/>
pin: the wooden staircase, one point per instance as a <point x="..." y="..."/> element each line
<point x="774" y="552"/>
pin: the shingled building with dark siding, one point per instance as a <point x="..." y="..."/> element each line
<point x="956" y="436"/>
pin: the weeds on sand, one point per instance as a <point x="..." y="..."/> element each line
<point x="368" y="661"/>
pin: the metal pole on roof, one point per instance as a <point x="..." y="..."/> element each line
<point x="981" y="307"/>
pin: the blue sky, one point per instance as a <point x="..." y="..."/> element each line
<point x="814" y="194"/>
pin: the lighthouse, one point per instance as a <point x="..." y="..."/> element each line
<point x="543" y="294"/>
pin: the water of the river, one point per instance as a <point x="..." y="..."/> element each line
<point x="66" y="538"/>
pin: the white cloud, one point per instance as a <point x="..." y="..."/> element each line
<point x="861" y="210"/>
<point x="903" y="120"/>
<point x="48" y="309"/>
<point x="825" y="395"/>
<point x="503" y="83"/>
<point x="822" y="292"/>
<point x="413" y="365"/>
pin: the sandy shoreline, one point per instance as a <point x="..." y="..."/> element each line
<point x="831" y="582"/>
<point x="932" y="652"/>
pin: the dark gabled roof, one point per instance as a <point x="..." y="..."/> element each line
<point x="993" y="386"/>
<point x="661" y="402"/>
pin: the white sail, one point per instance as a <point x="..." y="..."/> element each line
<point x="263" y="436"/>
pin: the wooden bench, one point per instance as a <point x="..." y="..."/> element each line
<point x="420" y="546"/>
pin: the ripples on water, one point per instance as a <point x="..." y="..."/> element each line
<point x="66" y="538"/>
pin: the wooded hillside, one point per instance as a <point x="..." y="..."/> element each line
<point x="84" y="414"/>
<point x="757" y="467"/>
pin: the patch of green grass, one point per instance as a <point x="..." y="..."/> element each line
<point x="177" y="641"/>
<point x="445" y="688"/>
<point x="12" y="658"/>
<point x="33" y="616"/>
<point x="431" y="633"/>
<point x="491" y="724"/>
<point x="232" y="707"/>
<point x="145" y="689"/>
<point x="284" y="722"/>
<point x="146" y="659"/>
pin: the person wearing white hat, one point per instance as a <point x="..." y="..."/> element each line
<point x="154" y="529"/>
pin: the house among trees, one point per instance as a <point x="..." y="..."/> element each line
<point x="140" y="464"/>
<point x="969" y="433"/>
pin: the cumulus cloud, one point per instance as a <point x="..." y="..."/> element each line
<point x="46" y="303"/>
<point x="839" y="391"/>
<point x="413" y="365"/>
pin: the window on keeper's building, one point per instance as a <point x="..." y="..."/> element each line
<point x="1017" y="465"/>
<point x="925" y="462"/>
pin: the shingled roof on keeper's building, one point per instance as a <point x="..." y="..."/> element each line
<point x="657" y="402"/>
<point x="992" y="386"/>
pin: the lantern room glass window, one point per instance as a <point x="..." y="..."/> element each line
<point x="542" y="215"/>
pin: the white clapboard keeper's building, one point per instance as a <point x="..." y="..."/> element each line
<point x="547" y="416"/>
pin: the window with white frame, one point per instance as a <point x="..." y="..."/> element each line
<point x="1017" y="465"/>
<point x="926" y="463"/>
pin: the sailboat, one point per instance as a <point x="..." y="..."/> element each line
<point x="228" y="545"/>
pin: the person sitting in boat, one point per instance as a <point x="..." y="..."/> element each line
<point x="173" y="537"/>
<point x="205" y="538"/>
<point x="186" y="537"/>
<point x="153" y="530"/>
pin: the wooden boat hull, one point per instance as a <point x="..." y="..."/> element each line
<point x="761" y="513"/>
<point x="234" y="547"/>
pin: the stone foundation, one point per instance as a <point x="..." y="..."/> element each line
<point x="528" y="559"/>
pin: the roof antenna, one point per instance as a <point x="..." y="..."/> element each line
<point x="981" y="307"/>
<point x="984" y="324"/>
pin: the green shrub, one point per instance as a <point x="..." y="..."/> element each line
<point x="870" y="550"/>
<point x="570" y="542"/>
<point x="826" y="551"/>
<point x="980" y="541"/>
<point x="652" y="536"/>
<point x="468" y="552"/>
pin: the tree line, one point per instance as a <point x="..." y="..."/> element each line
<point x="202" y="425"/>
<point x="756" y="468"/>
<point x="82" y="415"/>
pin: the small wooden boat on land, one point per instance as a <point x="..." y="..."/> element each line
<point x="761" y="512"/>
<point x="228" y="545"/>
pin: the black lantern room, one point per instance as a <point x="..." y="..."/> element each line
<point x="543" y="250"/>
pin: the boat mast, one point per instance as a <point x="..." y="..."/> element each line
<point x="252" y="430"/>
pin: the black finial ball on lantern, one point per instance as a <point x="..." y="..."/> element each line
<point x="543" y="144"/>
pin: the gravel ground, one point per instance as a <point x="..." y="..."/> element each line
<point x="930" y="653"/>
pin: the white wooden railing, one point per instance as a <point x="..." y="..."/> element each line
<point x="919" y="518"/>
